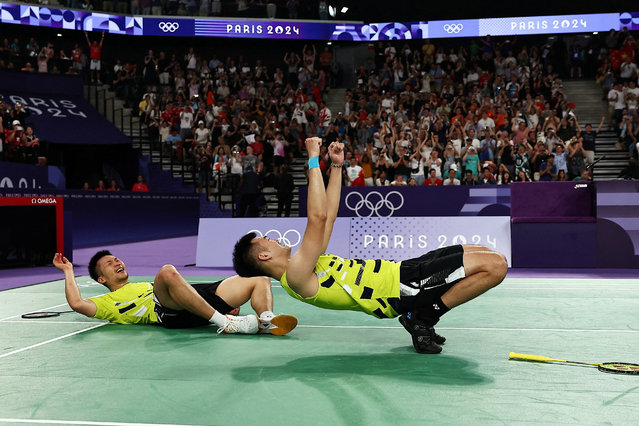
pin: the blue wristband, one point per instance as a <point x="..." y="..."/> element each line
<point x="313" y="162"/>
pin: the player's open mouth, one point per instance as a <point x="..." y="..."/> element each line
<point x="119" y="270"/>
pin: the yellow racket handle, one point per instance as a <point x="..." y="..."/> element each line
<point x="538" y="358"/>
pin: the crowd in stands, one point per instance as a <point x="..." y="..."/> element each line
<point x="33" y="56"/>
<point x="113" y="185"/>
<point x="18" y="141"/>
<point x="231" y="118"/>
<point x="486" y="112"/>
<point x="617" y="75"/>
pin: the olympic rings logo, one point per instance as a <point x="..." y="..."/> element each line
<point x="453" y="28"/>
<point x="282" y="238"/>
<point x="374" y="203"/>
<point x="169" y="27"/>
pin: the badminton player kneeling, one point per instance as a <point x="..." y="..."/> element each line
<point x="418" y="290"/>
<point x="171" y="302"/>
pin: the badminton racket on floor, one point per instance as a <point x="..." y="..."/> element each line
<point x="33" y="315"/>
<point x="608" y="367"/>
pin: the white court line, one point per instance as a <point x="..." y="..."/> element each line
<point x="43" y="309"/>
<point x="389" y="327"/>
<point x="383" y="327"/>
<point x="52" y="340"/>
<point x="80" y="422"/>
<point x="345" y="327"/>
<point x="43" y="321"/>
<point x="566" y="330"/>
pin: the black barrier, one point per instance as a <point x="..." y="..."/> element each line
<point x="105" y="217"/>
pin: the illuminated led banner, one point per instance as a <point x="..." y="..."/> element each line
<point x="549" y="24"/>
<point x="393" y="238"/>
<point x="69" y="19"/>
<point x="380" y="31"/>
<point x="21" y="14"/>
<point x="241" y="28"/>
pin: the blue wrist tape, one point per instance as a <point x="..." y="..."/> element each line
<point x="313" y="162"/>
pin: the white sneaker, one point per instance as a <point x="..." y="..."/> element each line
<point x="248" y="324"/>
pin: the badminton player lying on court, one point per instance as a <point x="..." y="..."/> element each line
<point x="418" y="290"/>
<point x="171" y="302"/>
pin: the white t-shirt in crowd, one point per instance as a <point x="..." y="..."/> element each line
<point x="186" y="119"/>
<point x="455" y="181"/>
<point x="486" y="123"/>
<point x="353" y="172"/>
<point x="619" y="102"/>
<point x="202" y="135"/>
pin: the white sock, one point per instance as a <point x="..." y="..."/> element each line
<point x="218" y="319"/>
<point x="267" y="316"/>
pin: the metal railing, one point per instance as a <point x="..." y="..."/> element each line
<point x="136" y="130"/>
<point x="225" y="185"/>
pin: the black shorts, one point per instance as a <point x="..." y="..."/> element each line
<point x="169" y="318"/>
<point x="426" y="278"/>
<point x="278" y="160"/>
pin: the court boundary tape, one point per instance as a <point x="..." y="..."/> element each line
<point x="46" y="321"/>
<point x="568" y="330"/>
<point x="43" y="309"/>
<point x="55" y="339"/>
<point x="380" y="327"/>
<point x="81" y="422"/>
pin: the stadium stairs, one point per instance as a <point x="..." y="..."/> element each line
<point x="590" y="107"/>
<point x="167" y="176"/>
<point x="334" y="99"/>
<point x="175" y="177"/>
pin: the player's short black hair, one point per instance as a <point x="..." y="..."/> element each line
<point x="93" y="263"/>
<point x="245" y="260"/>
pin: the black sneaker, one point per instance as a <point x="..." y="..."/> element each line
<point x="437" y="338"/>
<point x="422" y="335"/>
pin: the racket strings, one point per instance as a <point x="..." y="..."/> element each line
<point x="31" y="315"/>
<point x="619" y="367"/>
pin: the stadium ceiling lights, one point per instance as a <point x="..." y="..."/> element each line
<point x="332" y="10"/>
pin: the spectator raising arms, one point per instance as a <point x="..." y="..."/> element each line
<point x="95" y="49"/>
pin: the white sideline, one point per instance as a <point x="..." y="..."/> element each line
<point x="381" y="327"/>
<point x="81" y="422"/>
<point x="43" y="309"/>
<point x="565" y="330"/>
<point x="52" y="340"/>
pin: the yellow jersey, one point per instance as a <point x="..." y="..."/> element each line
<point x="354" y="284"/>
<point x="131" y="304"/>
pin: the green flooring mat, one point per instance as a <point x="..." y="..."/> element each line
<point x="336" y="368"/>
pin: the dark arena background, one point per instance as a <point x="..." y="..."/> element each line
<point x="164" y="131"/>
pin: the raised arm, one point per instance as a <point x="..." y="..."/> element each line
<point x="603" y="118"/>
<point x="300" y="270"/>
<point x="333" y="190"/>
<point x="71" y="290"/>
